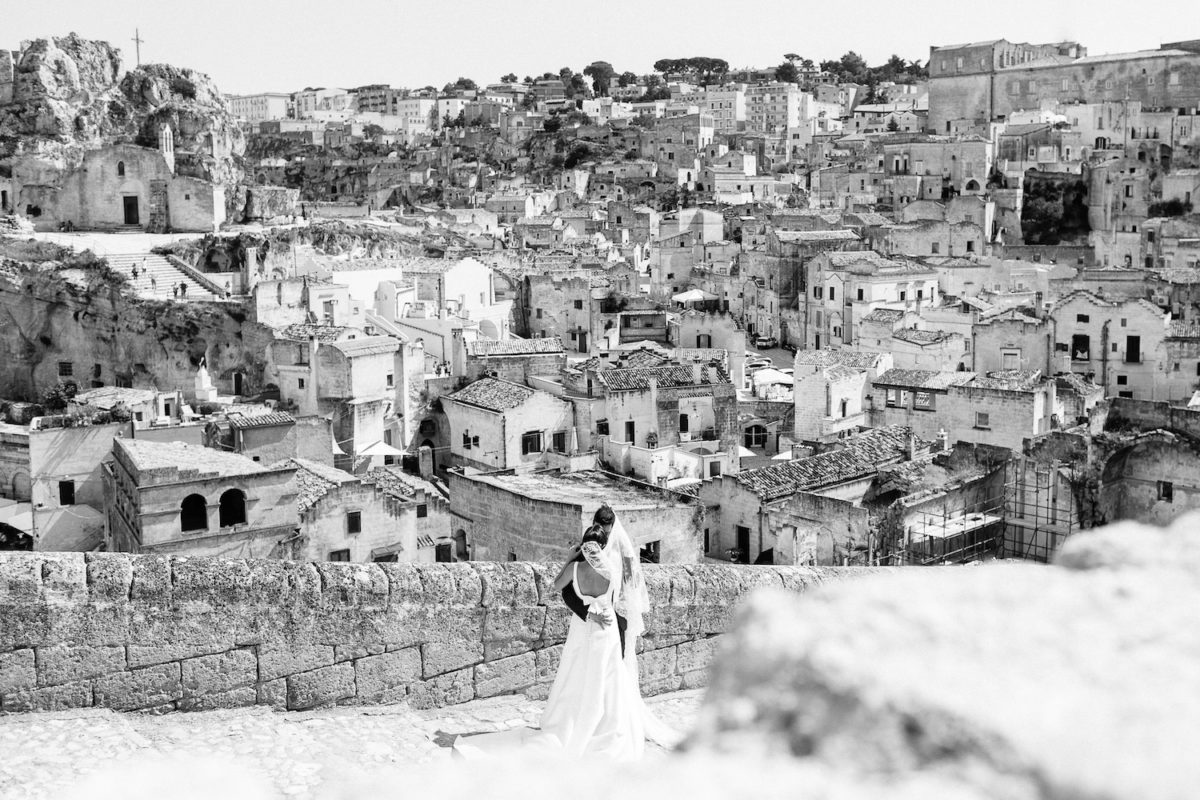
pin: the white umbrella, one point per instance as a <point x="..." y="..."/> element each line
<point x="769" y="375"/>
<point x="693" y="296"/>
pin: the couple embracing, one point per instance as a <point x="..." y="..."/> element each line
<point x="595" y="707"/>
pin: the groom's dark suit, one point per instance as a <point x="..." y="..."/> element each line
<point x="580" y="608"/>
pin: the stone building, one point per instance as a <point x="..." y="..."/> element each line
<point x="385" y="515"/>
<point x="1117" y="344"/>
<point x="170" y="497"/>
<point x="497" y="424"/>
<point x="830" y="389"/>
<point x="1002" y="408"/>
<point x="796" y="512"/>
<point x="976" y="83"/>
<point x="514" y="359"/>
<point x="505" y="517"/>
<point x="1012" y="340"/>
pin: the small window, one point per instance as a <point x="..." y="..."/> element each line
<point x="66" y="369"/>
<point x="1166" y="491"/>
<point x="300" y="383"/>
<point x="1122" y="380"/>
<point x="560" y="441"/>
<point x="903" y="295"/>
<point x="422" y="510"/>
<point x="539" y="313"/>
<point x="860" y="294"/>
<point x="832" y="293"/>
<point x="120" y="169"/>
<point x="66" y="493"/>
<point x="1124" y="322"/>
<point x="531" y="442"/>
<point x="936" y="247"/>
<point x="339" y="555"/>
<point x="391" y="381"/>
<point x="924" y="401"/>
<point x="970" y="246"/>
<point x="578" y="304"/>
<point x="1082" y="318"/>
<point x="466" y="442"/>
<point x="353" y="522"/>
<point x="981" y="420"/>
<point x="602" y="424"/>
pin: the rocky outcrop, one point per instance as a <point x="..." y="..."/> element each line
<point x="1080" y="680"/>
<point x="69" y="95"/>
<point x="59" y="307"/>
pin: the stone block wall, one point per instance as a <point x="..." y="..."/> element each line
<point x="159" y="634"/>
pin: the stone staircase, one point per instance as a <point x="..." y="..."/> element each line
<point x="157" y="276"/>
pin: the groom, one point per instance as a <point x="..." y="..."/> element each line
<point x="604" y="518"/>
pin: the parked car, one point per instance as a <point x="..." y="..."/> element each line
<point x="755" y="364"/>
<point x="765" y="341"/>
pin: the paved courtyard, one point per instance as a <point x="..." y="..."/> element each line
<point x="249" y="752"/>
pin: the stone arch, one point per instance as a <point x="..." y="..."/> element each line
<point x="193" y="513"/>
<point x="461" y="552"/>
<point x="972" y="185"/>
<point x="233" y="508"/>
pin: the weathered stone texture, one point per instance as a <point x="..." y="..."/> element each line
<point x="159" y="633"/>
<point x="140" y="688"/>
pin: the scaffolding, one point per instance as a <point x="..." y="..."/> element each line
<point x="972" y="532"/>
<point x="1039" y="508"/>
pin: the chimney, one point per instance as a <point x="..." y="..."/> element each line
<point x="697" y="373"/>
<point x="944" y="439"/>
<point x="912" y="445"/>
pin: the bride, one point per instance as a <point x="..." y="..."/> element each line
<point x="595" y="706"/>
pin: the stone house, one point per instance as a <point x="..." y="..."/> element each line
<point x="521" y="517"/>
<point x="666" y="404"/>
<point x="913" y="347"/>
<point x="934" y="237"/>
<point x="146" y="407"/>
<point x="171" y="497"/>
<point x="1117" y="344"/>
<point x="55" y="475"/>
<point x="1012" y="340"/>
<point x="559" y="306"/>
<point x="514" y="359"/>
<point x="508" y="208"/>
<point x="844" y="287"/>
<point x="830" y="402"/>
<point x="266" y="438"/>
<point x="801" y="511"/>
<point x="1001" y="409"/>
<point x="120" y="186"/>
<point x="385" y="515"/>
<point x="497" y="424"/>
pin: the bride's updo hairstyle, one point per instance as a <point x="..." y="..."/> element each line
<point x="595" y="534"/>
<point x="604" y="516"/>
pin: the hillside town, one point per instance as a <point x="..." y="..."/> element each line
<point x="816" y="313"/>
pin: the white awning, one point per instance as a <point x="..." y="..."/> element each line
<point x="380" y="449"/>
<point x="693" y="296"/>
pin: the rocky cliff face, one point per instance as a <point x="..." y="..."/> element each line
<point x="77" y="310"/>
<point x="67" y="95"/>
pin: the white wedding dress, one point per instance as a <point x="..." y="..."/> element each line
<point x="595" y="707"/>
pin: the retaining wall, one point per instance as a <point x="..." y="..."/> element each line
<point x="161" y="633"/>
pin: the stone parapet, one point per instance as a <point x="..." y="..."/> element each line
<point x="160" y="633"/>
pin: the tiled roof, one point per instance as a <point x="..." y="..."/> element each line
<point x="669" y="376"/>
<point x="628" y="360"/>
<point x="920" y="337"/>
<point x="514" y="347"/>
<point x="371" y="345"/>
<point x="107" y="397"/>
<point x="839" y="372"/>
<point x="884" y="315"/>
<point x="261" y="421"/>
<point x="394" y="482"/>
<point x="817" y="236"/>
<point x="301" y="332"/>
<point x="315" y="480"/>
<point x="1012" y="380"/>
<point x="493" y="394"/>
<point x="861" y="455"/>
<point x="701" y="355"/>
<point x="855" y="359"/>
<point x="923" y="378"/>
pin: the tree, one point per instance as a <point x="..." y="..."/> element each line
<point x="552" y="124"/>
<point x="787" y="73"/>
<point x="509" y="78"/>
<point x="791" y="57"/>
<point x="372" y="131"/>
<point x="626" y="79"/>
<point x="462" y="84"/>
<point x="892" y="125"/>
<point x="807" y="64"/>
<point x="57" y="396"/>
<point x="601" y="73"/>
<point x="854" y="67"/>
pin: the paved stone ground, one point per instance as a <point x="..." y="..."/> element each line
<point x="291" y="754"/>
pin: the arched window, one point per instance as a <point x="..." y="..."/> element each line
<point x="972" y="186"/>
<point x="193" y="513"/>
<point x="755" y="436"/>
<point x="233" y="508"/>
<point x="120" y="169"/>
